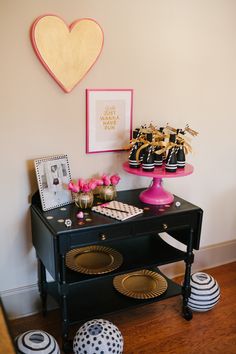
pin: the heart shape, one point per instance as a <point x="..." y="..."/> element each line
<point x="67" y="52"/>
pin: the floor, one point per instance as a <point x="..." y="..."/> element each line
<point x="159" y="328"/>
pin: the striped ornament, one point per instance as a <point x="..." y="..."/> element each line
<point x="36" y="341"/>
<point x="205" y="292"/>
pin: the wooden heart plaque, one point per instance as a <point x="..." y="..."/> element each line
<point x="67" y="52"/>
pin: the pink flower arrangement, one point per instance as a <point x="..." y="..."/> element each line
<point x="110" y="180"/>
<point x="87" y="186"/>
<point x="82" y="185"/>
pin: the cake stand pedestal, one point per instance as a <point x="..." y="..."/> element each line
<point x="156" y="194"/>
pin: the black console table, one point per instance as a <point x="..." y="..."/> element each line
<point x="82" y="297"/>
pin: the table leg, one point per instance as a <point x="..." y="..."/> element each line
<point x="64" y="311"/>
<point x="187" y="313"/>
<point x="42" y="285"/>
<point x="66" y="343"/>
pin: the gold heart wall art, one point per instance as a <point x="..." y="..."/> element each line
<point x="67" y="52"/>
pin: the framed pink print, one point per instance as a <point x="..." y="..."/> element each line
<point x="108" y="119"/>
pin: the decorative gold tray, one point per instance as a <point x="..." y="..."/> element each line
<point x="93" y="259"/>
<point x="142" y="284"/>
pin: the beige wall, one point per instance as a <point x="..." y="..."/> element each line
<point x="177" y="55"/>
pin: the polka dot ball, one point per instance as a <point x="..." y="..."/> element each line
<point x="98" y="337"/>
<point x="36" y="341"/>
<point x="205" y="292"/>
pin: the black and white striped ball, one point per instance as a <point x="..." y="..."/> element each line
<point x="98" y="337"/>
<point x="36" y="341"/>
<point x="205" y="292"/>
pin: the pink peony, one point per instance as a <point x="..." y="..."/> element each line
<point x="115" y="179"/>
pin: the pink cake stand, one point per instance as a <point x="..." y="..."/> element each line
<point x="156" y="194"/>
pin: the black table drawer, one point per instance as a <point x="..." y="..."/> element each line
<point x="163" y="224"/>
<point x="99" y="235"/>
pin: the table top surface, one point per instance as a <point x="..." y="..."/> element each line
<point x="54" y="219"/>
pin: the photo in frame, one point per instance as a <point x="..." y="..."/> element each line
<point x="53" y="175"/>
<point x="108" y="119"/>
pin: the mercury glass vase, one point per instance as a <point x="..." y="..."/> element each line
<point x="108" y="193"/>
<point x="84" y="200"/>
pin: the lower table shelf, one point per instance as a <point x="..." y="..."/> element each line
<point x="93" y="298"/>
<point x="145" y="251"/>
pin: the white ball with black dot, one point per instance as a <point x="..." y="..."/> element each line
<point x="98" y="336"/>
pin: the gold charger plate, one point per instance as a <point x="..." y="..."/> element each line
<point x="93" y="259"/>
<point x="143" y="284"/>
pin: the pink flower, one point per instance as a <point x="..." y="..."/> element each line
<point x="86" y="188"/>
<point x="81" y="183"/>
<point x="115" y="179"/>
<point x="106" y="180"/>
<point x="92" y="184"/>
<point x="73" y="187"/>
<point x="70" y="185"/>
<point x="99" y="182"/>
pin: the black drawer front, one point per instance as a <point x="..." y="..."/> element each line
<point x="163" y="224"/>
<point x="99" y="235"/>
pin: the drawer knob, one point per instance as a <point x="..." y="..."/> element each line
<point x="165" y="226"/>
<point x="103" y="237"/>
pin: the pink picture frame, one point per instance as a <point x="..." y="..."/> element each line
<point x="109" y="114"/>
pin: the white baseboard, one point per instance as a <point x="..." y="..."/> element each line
<point x="25" y="301"/>
<point x="205" y="258"/>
